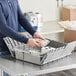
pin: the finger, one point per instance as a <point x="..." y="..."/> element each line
<point x="33" y="46"/>
<point x="38" y="44"/>
<point x="38" y="41"/>
<point x="41" y="37"/>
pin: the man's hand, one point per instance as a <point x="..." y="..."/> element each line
<point x="34" y="43"/>
<point x="37" y="35"/>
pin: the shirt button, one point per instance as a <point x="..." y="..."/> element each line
<point x="8" y="1"/>
<point x="9" y="4"/>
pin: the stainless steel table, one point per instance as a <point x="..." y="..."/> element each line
<point x="19" y="68"/>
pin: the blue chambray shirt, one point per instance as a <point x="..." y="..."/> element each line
<point x="10" y="17"/>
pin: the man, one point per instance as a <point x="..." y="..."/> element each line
<point x="10" y="17"/>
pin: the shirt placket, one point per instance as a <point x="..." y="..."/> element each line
<point x="9" y="3"/>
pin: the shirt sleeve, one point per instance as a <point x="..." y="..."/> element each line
<point x="8" y="31"/>
<point x="24" y="22"/>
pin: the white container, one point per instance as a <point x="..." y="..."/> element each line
<point x="39" y="18"/>
<point x="32" y="18"/>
